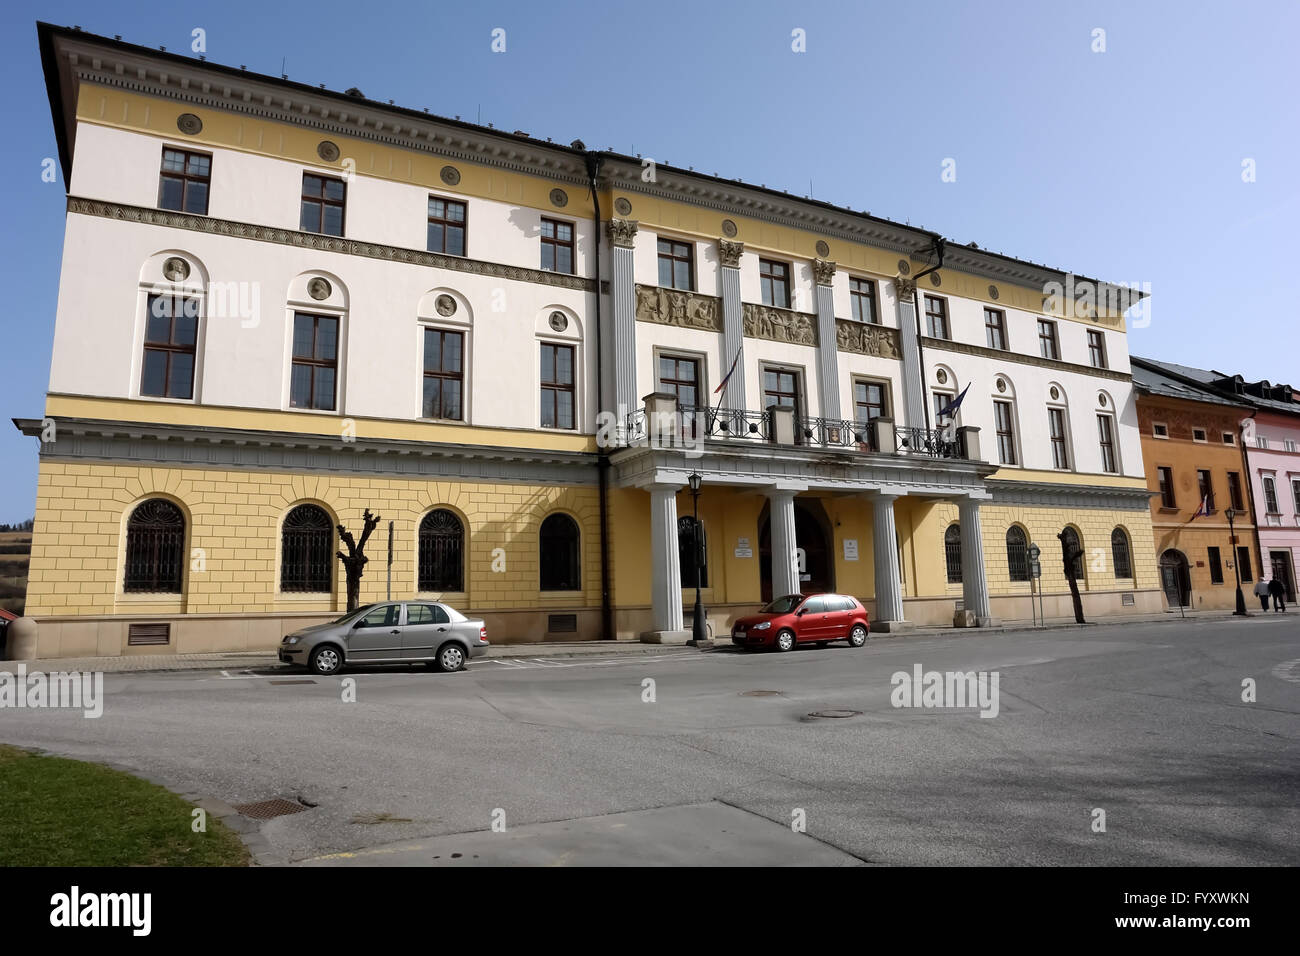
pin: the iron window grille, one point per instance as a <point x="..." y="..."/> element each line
<point x="306" y="550"/>
<point x="442" y="552"/>
<point x="155" y="548"/>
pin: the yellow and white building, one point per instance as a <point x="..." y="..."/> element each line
<point x="280" y="306"/>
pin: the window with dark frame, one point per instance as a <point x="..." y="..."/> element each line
<point x="315" y="361"/>
<point x="952" y="553"/>
<point x="1047" y="343"/>
<point x="774" y="278"/>
<point x="1270" y="495"/>
<point x="441" y="552"/>
<point x="1097" y="349"/>
<point x="557" y="386"/>
<point x="1120" y="554"/>
<point x="446" y="228"/>
<point x="307" y="551"/>
<point x="936" y="316"/>
<point x="1295" y="494"/>
<point x="1243" y="564"/>
<point x="995" y="328"/>
<point x="1166" y="478"/>
<point x="1234" y="492"/>
<point x="1106" y="437"/>
<point x="557" y="246"/>
<point x="862" y="300"/>
<point x="155" y="548"/>
<point x="781" y="387"/>
<point x="1216" y="565"/>
<point x="1005" y="425"/>
<point x="444" y="374"/>
<point x="680" y="376"/>
<point x="323" y="201"/>
<point x="1206" y="483"/>
<point x="558" y="552"/>
<point x="171" y="333"/>
<point x="870" y="400"/>
<point x="941" y="401"/>
<point x="1060" y="447"/>
<point x="184" y="181"/>
<point x="1018" y="554"/>
<point x="676" y="264"/>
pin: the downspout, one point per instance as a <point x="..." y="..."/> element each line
<point x="937" y="248"/>
<point x="602" y="454"/>
<point x="1248" y="493"/>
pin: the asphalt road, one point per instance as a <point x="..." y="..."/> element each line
<point x="573" y="765"/>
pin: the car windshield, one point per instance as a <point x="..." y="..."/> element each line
<point x="351" y="614"/>
<point x="783" y="605"/>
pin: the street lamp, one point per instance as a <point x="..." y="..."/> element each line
<point x="1236" y="570"/>
<point x="699" y="634"/>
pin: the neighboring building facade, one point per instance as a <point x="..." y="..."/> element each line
<point x="1196" y="471"/>
<point x="280" y="306"/>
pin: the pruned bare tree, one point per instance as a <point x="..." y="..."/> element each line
<point x="354" y="562"/>
<point x="1071" y="554"/>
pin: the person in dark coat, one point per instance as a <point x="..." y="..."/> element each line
<point x="1278" y="590"/>
<point x="1261" y="592"/>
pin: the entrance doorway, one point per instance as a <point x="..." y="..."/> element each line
<point x="1284" y="572"/>
<point x="813" y="538"/>
<point x="1174" y="578"/>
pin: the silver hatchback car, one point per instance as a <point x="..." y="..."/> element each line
<point x="394" y="632"/>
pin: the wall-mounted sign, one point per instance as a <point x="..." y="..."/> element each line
<point x="850" y="549"/>
<point x="743" y="550"/>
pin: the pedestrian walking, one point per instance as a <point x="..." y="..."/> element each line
<point x="1261" y="592"/>
<point x="1276" y="589"/>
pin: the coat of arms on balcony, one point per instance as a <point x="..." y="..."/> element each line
<point x="866" y="339"/>
<point x="675" y="307"/>
<point x="779" y="325"/>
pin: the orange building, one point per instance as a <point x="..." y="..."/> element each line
<point x="1191" y="445"/>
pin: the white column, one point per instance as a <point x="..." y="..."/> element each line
<point x="974" y="583"/>
<point x="913" y="385"/>
<point x="733" y="322"/>
<point x="622" y="287"/>
<point x="785" y="569"/>
<point x="828" y="363"/>
<point x="666" y="572"/>
<point x="884" y="548"/>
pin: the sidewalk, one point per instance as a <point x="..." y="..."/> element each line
<point x="148" y="663"/>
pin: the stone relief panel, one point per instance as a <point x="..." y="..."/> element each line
<point x="779" y="325"/>
<point x="687" y="310"/>
<point x="866" y="339"/>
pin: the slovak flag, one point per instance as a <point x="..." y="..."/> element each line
<point x="1203" y="510"/>
<point x="727" y="377"/>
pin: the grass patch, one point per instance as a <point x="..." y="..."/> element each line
<point x="60" y="812"/>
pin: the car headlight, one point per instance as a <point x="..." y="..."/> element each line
<point x="292" y="639"/>
<point x="761" y="627"/>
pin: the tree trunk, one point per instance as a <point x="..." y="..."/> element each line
<point x="354" y="562"/>
<point x="1070" y="556"/>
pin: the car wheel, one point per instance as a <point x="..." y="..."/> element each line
<point x="857" y="636"/>
<point x="326" y="660"/>
<point x="785" y="640"/>
<point x="451" y="658"/>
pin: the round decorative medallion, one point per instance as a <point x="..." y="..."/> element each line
<point x="1101" y="399"/>
<point x="904" y="267"/>
<point x="823" y="249"/>
<point x="449" y="175"/>
<point x="729" y="228"/>
<point x="445" y="305"/>
<point x="327" y="151"/>
<point x="319" y="289"/>
<point x="1055" y="393"/>
<point x="189" y="124"/>
<point x="1002" y="385"/>
<point x="993" y="292"/>
<point x="941" y="375"/>
<point x="176" y="269"/>
<point x="559" y="198"/>
<point x="622" y="206"/>
<point x="559" y="321"/>
<point x="935" y="280"/>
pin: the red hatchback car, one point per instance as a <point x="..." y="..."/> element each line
<point x="804" y="619"/>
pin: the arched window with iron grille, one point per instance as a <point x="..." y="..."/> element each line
<point x="306" y="550"/>
<point x="559" y="554"/>
<point x="952" y="552"/>
<point x="687" y="529"/>
<point x="1120" y="554"/>
<point x="442" y="552"/>
<point x="1017" y="554"/>
<point x="155" y="548"/>
<point x="1072" y="543"/>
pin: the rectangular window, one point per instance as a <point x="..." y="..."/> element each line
<point x="781" y="387"/>
<point x="1229" y="438"/>
<point x="681" y="377"/>
<point x="323" y="199"/>
<point x="1060" y="450"/>
<point x="1295" y="494"/>
<point x="1006" y="432"/>
<point x="1166" y="487"/>
<point x="1270" y="496"/>
<point x="1047" y="344"/>
<point x="1216" y="566"/>
<point x="557" y="246"/>
<point x="862" y="300"/>
<point x="1234" y="491"/>
<point x="1198" y="435"/>
<point x="170" y="336"/>
<point x="936" y="316"/>
<point x="870" y="400"/>
<point x="1289" y="444"/>
<point x="774" y="277"/>
<point x="184" y="180"/>
<point x="995" y="328"/>
<point x="941" y="400"/>
<point x="1244" y="565"/>
<point x="315" y="361"/>
<point x="1261" y="441"/>
<point x="676" y="264"/>
<point x="1106" y="435"/>
<point x="446" y="229"/>
<point x="557" y="386"/>
<point x="444" y="374"/>
<point x="1159" y="430"/>
<point x="1206" y="484"/>
<point x="1097" y="349"/>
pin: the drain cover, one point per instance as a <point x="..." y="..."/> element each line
<point x="281" y="683"/>
<point x="760" y="693"/>
<point x="269" y="809"/>
<point x="835" y="713"/>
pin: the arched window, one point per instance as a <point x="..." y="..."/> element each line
<point x="1071" y="541"/>
<point x="1120" y="554"/>
<point x="687" y="530"/>
<point x="442" y="552"/>
<point x="155" y="548"/>
<point x="306" y="546"/>
<point x="1017" y="553"/>
<point x="952" y="552"/>
<point x="559" y="554"/>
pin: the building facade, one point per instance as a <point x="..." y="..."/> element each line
<point x="280" y="306"/>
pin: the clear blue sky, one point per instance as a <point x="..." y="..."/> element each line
<point x="1124" y="165"/>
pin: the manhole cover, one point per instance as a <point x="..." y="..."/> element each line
<point x="835" y="713"/>
<point x="760" y="693"/>
<point x="281" y="683"/>
<point x="269" y="809"/>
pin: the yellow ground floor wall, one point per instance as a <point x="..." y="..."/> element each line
<point x="1194" y="541"/>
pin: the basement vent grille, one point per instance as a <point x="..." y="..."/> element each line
<point x="562" y="623"/>
<point x="140" y="634"/>
<point x="1126" y="600"/>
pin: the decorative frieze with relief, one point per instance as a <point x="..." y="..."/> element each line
<point x="779" y="325"/>
<point x="867" y="339"/>
<point x="687" y="310"/>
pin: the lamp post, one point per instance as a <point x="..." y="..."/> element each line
<point x="699" y="634"/>
<point x="1236" y="570"/>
